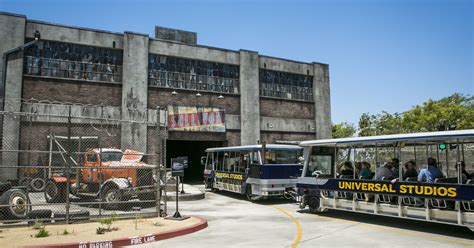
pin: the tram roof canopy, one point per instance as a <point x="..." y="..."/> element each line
<point x="253" y="148"/>
<point x="445" y="136"/>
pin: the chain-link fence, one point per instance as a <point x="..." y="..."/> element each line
<point x="70" y="162"/>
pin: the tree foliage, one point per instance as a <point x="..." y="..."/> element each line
<point x="343" y="130"/>
<point x="432" y="115"/>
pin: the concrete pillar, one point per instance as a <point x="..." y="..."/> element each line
<point x="134" y="92"/>
<point x="249" y="98"/>
<point x="322" y="101"/>
<point x="12" y="35"/>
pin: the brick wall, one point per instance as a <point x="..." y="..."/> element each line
<point x="72" y="91"/>
<point x="34" y="137"/>
<point x="286" y="109"/>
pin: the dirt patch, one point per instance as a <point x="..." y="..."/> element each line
<point x="24" y="236"/>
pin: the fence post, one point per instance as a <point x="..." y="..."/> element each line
<point x="68" y="179"/>
<point x="158" y="167"/>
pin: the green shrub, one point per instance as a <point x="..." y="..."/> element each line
<point x="42" y="232"/>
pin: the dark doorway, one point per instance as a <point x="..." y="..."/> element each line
<point x="194" y="150"/>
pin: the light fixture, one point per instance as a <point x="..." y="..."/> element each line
<point x="37" y="35"/>
<point x="198" y="94"/>
<point x="174" y="93"/>
<point x="220" y="97"/>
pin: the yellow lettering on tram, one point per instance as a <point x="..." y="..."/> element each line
<point x="377" y="187"/>
<point x="452" y="192"/>
<point x="391" y="189"/>
<point x="403" y="189"/>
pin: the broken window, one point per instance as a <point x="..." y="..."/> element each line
<point x="72" y="61"/>
<point x="181" y="73"/>
<point x="286" y="85"/>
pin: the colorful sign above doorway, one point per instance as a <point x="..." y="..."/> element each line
<point x="198" y="119"/>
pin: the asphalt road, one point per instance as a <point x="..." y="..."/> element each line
<point x="235" y="222"/>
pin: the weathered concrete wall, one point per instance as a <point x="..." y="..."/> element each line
<point x="290" y="125"/>
<point x="249" y="98"/>
<point x="76" y="35"/>
<point x="272" y="137"/>
<point x="322" y="101"/>
<point x="232" y="138"/>
<point x="194" y="52"/>
<point x="12" y="31"/>
<point x="162" y="97"/>
<point x="135" y="91"/>
<point x="232" y="122"/>
<point x="286" y="109"/>
<point x="72" y="91"/>
<point x="176" y="35"/>
<point x="278" y="64"/>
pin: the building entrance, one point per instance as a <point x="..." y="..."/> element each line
<point x="194" y="150"/>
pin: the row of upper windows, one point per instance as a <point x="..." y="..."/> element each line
<point x="98" y="55"/>
<point x="285" y="78"/>
<point x="74" y="52"/>
<point x="193" y="67"/>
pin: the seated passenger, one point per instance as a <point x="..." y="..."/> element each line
<point x="358" y="167"/>
<point x="365" y="172"/>
<point x="410" y="170"/>
<point x="347" y="169"/>
<point x="395" y="167"/>
<point x="465" y="175"/>
<point x="384" y="171"/>
<point x="431" y="173"/>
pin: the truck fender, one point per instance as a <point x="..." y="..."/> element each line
<point x="59" y="179"/>
<point x="120" y="183"/>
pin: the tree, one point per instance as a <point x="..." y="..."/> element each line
<point x="343" y="130"/>
<point x="456" y="111"/>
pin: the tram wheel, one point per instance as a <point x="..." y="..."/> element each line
<point x="248" y="193"/>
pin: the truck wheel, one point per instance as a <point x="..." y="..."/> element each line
<point x="17" y="202"/>
<point x="111" y="196"/>
<point x="55" y="192"/>
<point x="37" y="184"/>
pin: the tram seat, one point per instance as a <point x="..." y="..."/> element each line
<point x="468" y="205"/>
<point x="444" y="204"/>
<point x="412" y="201"/>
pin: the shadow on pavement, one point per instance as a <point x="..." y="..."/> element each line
<point x="407" y="224"/>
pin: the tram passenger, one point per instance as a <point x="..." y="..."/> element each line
<point x="358" y="167"/>
<point x="465" y="175"/>
<point x="410" y="170"/>
<point x="385" y="170"/>
<point x="395" y="167"/>
<point x="347" y="169"/>
<point x="431" y="173"/>
<point x="365" y="172"/>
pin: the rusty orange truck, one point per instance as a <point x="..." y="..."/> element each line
<point x="108" y="175"/>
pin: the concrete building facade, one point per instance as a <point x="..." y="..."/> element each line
<point x="262" y="98"/>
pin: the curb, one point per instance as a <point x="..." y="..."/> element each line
<point x="185" y="197"/>
<point x="136" y="240"/>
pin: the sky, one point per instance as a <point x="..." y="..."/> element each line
<point x="383" y="55"/>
